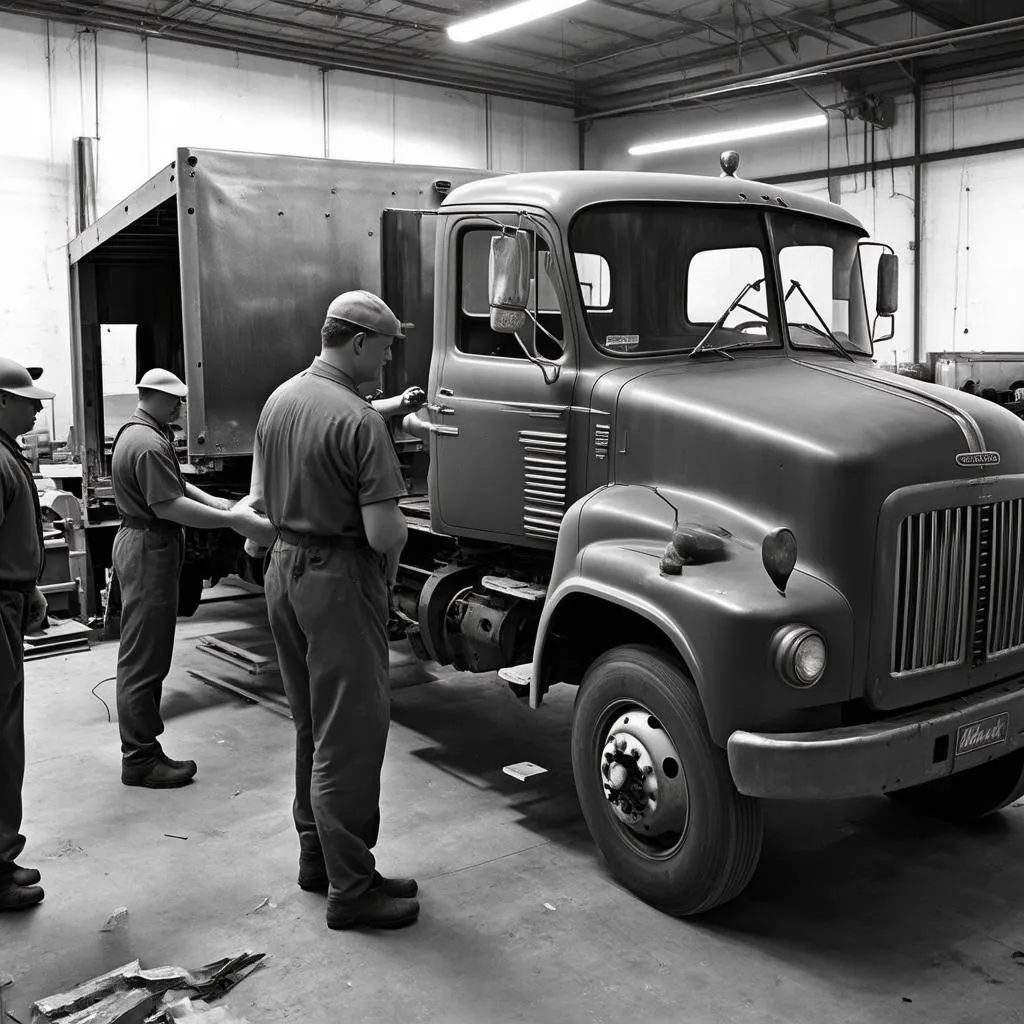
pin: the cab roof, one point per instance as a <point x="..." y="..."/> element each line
<point x="564" y="193"/>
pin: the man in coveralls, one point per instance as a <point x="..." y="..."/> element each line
<point x="154" y="503"/>
<point x="325" y="470"/>
<point x="22" y="609"/>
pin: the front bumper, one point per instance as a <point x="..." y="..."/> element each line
<point x="861" y="760"/>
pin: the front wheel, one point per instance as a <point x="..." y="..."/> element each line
<point x="655" y="790"/>
<point x="969" y="794"/>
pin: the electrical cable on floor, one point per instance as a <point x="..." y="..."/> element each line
<point x="99" y="698"/>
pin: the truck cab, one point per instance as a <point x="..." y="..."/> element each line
<point x="667" y="471"/>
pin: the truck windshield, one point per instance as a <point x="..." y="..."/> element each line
<point x="820" y="270"/>
<point x="655" y="277"/>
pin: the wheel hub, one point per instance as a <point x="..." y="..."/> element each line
<point x="642" y="775"/>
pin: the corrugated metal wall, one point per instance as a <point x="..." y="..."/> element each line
<point x="144" y="98"/>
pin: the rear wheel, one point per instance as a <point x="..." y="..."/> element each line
<point x="655" y="790"/>
<point x="970" y="794"/>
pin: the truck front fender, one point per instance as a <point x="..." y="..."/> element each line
<point x="719" y="618"/>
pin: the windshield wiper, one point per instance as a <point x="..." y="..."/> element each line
<point x="794" y="285"/>
<point x="699" y="347"/>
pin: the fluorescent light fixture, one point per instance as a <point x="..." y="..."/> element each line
<point x="800" y="124"/>
<point x="506" y="18"/>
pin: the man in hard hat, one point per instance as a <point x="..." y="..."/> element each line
<point x="325" y="470"/>
<point x="22" y="609"/>
<point x="154" y="503"/>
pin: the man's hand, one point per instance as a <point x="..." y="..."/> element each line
<point x="413" y="398"/>
<point x="252" y="525"/>
<point x="37" y="608"/>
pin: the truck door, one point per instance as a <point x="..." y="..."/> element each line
<point x="499" y="469"/>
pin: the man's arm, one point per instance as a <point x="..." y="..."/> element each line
<point x="409" y="400"/>
<point x="242" y="519"/>
<point x="193" y="492"/>
<point x="254" y="499"/>
<point x="386" y="533"/>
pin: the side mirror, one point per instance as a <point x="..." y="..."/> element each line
<point x="508" y="281"/>
<point x="887" y="294"/>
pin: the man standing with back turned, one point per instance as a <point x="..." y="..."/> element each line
<point x="154" y="503"/>
<point x="22" y="608"/>
<point x="326" y="472"/>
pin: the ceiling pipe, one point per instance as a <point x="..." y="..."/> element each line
<point x="868" y="57"/>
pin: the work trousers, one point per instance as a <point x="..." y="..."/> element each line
<point x="148" y="563"/>
<point x="328" y="612"/>
<point x="13" y="619"/>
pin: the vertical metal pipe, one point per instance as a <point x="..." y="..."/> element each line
<point x="918" y="145"/>
<point x="84" y="161"/>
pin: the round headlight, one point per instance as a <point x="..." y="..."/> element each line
<point x="800" y="655"/>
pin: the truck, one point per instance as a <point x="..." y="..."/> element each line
<point x="657" y="464"/>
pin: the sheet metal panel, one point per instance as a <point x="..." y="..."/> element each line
<point x="266" y="242"/>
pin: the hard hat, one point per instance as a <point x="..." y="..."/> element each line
<point x="364" y="309"/>
<point x="162" y="380"/>
<point x="16" y="379"/>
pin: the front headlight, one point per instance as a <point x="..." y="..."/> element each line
<point x="800" y="655"/>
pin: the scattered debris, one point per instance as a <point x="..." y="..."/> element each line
<point x="171" y="835"/>
<point x="1018" y="955"/>
<point x="550" y="906"/>
<point x="12" y="1017"/>
<point x="238" y="792"/>
<point x="263" y="903"/>
<point x="184" y="1011"/>
<point x="5" y="981"/>
<point x="89" y="992"/>
<point x="66" y="848"/>
<point x="523" y="770"/>
<point x="130" y="995"/>
<point x="118" y="919"/>
<point x="906" y="1000"/>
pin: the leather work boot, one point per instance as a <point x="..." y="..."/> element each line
<point x="15" y="897"/>
<point x="374" y="909"/>
<point x="313" y="878"/>
<point x="11" y="873"/>
<point x="312" y="870"/>
<point x="182" y="766"/>
<point x="157" y="775"/>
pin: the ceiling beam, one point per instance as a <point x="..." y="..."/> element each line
<point x="934" y="13"/>
<point x="495" y="79"/>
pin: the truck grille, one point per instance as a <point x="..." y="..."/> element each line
<point x="935" y="558"/>
<point x="958" y="588"/>
<point x="1005" y="593"/>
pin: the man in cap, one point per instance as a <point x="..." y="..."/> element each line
<point x="22" y="609"/>
<point x="325" y="470"/>
<point x="154" y="503"/>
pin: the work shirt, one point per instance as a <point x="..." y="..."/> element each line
<point x="324" y="453"/>
<point x="21" y="527"/>
<point x="144" y="469"/>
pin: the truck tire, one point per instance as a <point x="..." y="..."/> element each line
<point x="688" y="841"/>
<point x="970" y="794"/>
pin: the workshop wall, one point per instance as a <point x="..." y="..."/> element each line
<point x="972" y="211"/>
<point x="142" y="98"/>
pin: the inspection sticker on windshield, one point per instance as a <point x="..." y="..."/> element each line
<point x="622" y="342"/>
<point x="987" y="733"/>
<point x="978" y="459"/>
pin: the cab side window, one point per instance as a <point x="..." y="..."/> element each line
<point x="474" y="334"/>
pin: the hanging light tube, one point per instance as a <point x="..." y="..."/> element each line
<point x="506" y="18"/>
<point x="760" y="131"/>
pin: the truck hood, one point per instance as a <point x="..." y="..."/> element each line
<point x="815" y="444"/>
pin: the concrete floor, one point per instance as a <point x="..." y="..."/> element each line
<point x="858" y="912"/>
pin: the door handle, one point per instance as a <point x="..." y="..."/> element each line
<point x="441" y="410"/>
<point x="446" y="392"/>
